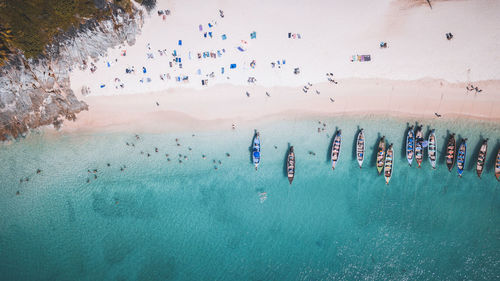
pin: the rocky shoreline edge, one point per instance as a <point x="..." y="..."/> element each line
<point x="36" y="92"/>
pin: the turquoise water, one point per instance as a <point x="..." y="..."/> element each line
<point x="160" y="220"/>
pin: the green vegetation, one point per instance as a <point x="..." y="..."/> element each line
<point x="29" y="25"/>
<point x="148" y="4"/>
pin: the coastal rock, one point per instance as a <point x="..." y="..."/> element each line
<point x="36" y="92"/>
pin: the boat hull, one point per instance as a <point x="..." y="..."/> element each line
<point x="381" y="155"/>
<point x="432" y="149"/>
<point x="410" y="145"/>
<point x="451" y="152"/>
<point x="336" y="145"/>
<point x="481" y="158"/>
<point x="389" y="164"/>
<point x="256" y="150"/>
<point x="419" y="150"/>
<point x="461" y="156"/>
<point x="291" y="165"/>
<point x="360" y="148"/>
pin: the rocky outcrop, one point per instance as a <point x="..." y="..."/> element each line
<point x="37" y="92"/>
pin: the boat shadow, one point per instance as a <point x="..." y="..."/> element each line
<point x="403" y="145"/>
<point x="426" y="133"/>
<point x="285" y="161"/>
<point x="373" y="158"/>
<point x="473" y="157"/>
<point x="250" y="148"/>
<point x="354" y="155"/>
<point x="330" y="145"/>
<point x="490" y="164"/>
<point x="442" y="152"/>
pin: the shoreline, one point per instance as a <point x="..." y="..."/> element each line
<point x="222" y="105"/>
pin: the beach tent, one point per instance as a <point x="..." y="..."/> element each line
<point x="233" y="66"/>
<point x="180" y="42"/>
<point x="253" y="35"/>
<point x="224" y="37"/>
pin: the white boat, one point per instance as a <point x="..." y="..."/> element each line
<point x="481" y="158"/>
<point x="389" y="162"/>
<point x="360" y="148"/>
<point x="256" y="150"/>
<point x="419" y="148"/>
<point x="290" y="165"/>
<point x="432" y="149"/>
<point x="336" y="148"/>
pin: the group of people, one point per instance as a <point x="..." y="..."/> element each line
<point x="471" y="88"/>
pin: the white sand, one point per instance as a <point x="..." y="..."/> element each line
<point x="185" y="109"/>
<point x="331" y="32"/>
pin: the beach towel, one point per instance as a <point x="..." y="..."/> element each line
<point x="144" y="70"/>
<point x="241" y="49"/>
<point x="103" y="85"/>
<point x="222" y="70"/>
<point x="200" y="27"/>
<point x="224" y="37"/>
<point x="198" y="72"/>
<point x="180" y="42"/>
<point x="253" y="35"/>
<point x="233" y="65"/>
<point x="108" y="63"/>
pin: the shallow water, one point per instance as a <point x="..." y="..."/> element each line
<point x="160" y="220"/>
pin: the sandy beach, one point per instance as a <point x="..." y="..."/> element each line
<point x="420" y="74"/>
<point x="223" y="105"/>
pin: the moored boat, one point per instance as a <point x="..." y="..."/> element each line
<point x="290" y="165"/>
<point x="381" y="155"/>
<point x="451" y="152"/>
<point x="481" y="158"/>
<point x="419" y="149"/>
<point x="389" y="162"/>
<point x="432" y="148"/>
<point x="256" y="150"/>
<point x="360" y="148"/>
<point x="337" y="141"/>
<point x="462" y="153"/>
<point x="410" y="145"/>
<point x="497" y="166"/>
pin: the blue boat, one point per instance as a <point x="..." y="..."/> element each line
<point x="410" y="145"/>
<point x="256" y="150"/>
<point x="462" y="151"/>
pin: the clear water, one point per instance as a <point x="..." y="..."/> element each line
<point x="160" y="220"/>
